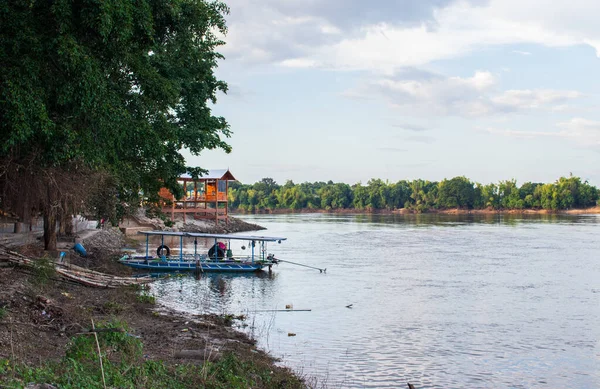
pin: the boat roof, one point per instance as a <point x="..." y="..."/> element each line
<point x="214" y="236"/>
<point x="163" y="233"/>
<point x="238" y="237"/>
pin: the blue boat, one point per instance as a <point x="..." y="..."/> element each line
<point x="218" y="259"/>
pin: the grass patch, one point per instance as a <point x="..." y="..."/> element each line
<point x="125" y="367"/>
<point x="145" y="298"/>
<point x="3" y="312"/>
<point x="112" y="307"/>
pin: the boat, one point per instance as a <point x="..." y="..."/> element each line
<point x="219" y="257"/>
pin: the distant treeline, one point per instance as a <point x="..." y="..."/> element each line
<point x="418" y="195"/>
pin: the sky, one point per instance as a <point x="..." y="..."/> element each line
<point x="352" y="90"/>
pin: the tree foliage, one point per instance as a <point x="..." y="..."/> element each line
<point x="418" y="195"/>
<point x="113" y="86"/>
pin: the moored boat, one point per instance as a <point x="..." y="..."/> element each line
<point x="219" y="257"/>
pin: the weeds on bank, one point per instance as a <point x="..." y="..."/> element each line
<point x="145" y="298"/>
<point x="124" y="366"/>
<point x="112" y="307"/>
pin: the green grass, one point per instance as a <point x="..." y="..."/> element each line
<point x="125" y="367"/>
<point x="145" y="298"/>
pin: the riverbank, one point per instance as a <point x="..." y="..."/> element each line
<point x="45" y="338"/>
<point x="453" y="211"/>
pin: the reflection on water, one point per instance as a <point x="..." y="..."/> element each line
<point x="452" y="301"/>
<point x="213" y="292"/>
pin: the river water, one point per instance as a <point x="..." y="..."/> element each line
<point x="438" y="301"/>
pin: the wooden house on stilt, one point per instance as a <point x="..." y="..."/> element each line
<point x="204" y="197"/>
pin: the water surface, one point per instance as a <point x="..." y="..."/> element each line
<point x="437" y="300"/>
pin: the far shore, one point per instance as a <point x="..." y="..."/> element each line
<point x="453" y="211"/>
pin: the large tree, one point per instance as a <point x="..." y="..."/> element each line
<point x="112" y="86"/>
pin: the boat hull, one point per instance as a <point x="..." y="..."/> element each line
<point x="216" y="266"/>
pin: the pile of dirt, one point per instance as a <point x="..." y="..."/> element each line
<point x="105" y="239"/>
<point x="222" y="227"/>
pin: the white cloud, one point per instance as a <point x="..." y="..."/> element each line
<point x="437" y="94"/>
<point x="581" y="125"/>
<point x="587" y="132"/>
<point x="584" y="132"/>
<point x="357" y="35"/>
<point x="298" y="63"/>
<point x="533" y="99"/>
<point x="421" y="93"/>
<point x="521" y="52"/>
<point x="528" y="134"/>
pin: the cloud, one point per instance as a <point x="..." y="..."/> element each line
<point x="435" y="94"/>
<point x="391" y="34"/>
<point x="299" y="63"/>
<point x="275" y="31"/>
<point x="521" y="52"/>
<point x="528" y="134"/>
<point x="585" y="132"/>
<point x="411" y="127"/>
<point x="418" y="92"/>
<point x="348" y="14"/>
<point x="531" y="99"/>
<point x="582" y="126"/>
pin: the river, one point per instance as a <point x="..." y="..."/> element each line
<point x="439" y="301"/>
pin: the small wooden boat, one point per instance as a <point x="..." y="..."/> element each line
<point x="218" y="259"/>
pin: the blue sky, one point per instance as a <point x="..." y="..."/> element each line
<point x="349" y="90"/>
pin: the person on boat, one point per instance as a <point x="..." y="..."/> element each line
<point x="220" y="251"/>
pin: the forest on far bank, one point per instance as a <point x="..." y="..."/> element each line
<point x="418" y="195"/>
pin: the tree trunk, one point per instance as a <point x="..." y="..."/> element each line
<point x="68" y="222"/>
<point x="61" y="227"/>
<point x="50" y="218"/>
<point x="50" y="229"/>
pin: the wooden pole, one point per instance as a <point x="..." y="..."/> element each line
<point x="217" y="201"/>
<point x="173" y="208"/>
<point x="195" y="198"/>
<point x="184" y="199"/>
<point x="226" y="202"/>
<point x="99" y="353"/>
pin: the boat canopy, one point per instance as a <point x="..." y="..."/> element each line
<point x="238" y="237"/>
<point x="214" y="236"/>
<point x="163" y="233"/>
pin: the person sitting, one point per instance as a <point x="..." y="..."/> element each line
<point x="220" y="251"/>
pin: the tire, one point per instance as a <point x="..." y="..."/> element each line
<point x="162" y="248"/>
